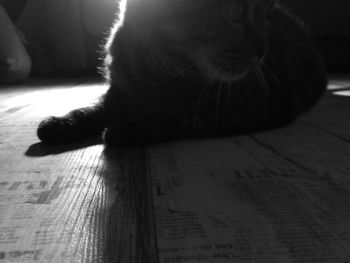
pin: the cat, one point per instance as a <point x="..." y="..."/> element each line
<point x="192" y="69"/>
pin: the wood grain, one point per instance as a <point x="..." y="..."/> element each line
<point x="70" y="203"/>
<point x="276" y="196"/>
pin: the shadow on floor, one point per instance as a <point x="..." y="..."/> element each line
<point x="41" y="149"/>
<point x="129" y="226"/>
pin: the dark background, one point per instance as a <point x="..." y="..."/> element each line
<point x="62" y="36"/>
<point x="329" y="22"/>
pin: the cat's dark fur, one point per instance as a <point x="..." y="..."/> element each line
<point x="184" y="69"/>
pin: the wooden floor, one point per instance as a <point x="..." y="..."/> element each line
<point x="276" y="196"/>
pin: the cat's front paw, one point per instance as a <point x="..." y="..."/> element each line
<point x="53" y="130"/>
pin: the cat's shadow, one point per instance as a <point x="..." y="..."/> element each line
<point x="41" y="149"/>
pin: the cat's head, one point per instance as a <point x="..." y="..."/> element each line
<point x="225" y="39"/>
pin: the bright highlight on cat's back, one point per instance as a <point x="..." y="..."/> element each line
<point x="182" y="69"/>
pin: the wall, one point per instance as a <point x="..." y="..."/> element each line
<point x="329" y="21"/>
<point x="64" y="36"/>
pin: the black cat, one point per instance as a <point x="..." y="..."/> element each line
<point x="184" y="69"/>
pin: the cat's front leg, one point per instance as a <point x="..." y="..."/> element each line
<point x="77" y="125"/>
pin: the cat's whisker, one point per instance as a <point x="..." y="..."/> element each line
<point x="273" y="75"/>
<point x="202" y="97"/>
<point x="223" y="87"/>
<point x="198" y="106"/>
<point x="218" y="98"/>
<point x="262" y="81"/>
<point x="229" y="94"/>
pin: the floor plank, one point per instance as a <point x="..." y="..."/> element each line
<point x="73" y="203"/>
<point x="275" y="196"/>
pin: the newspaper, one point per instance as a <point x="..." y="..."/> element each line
<point x="51" y="207"/>
<point x="220" y="200"/>
<point x="216" y="203"/>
